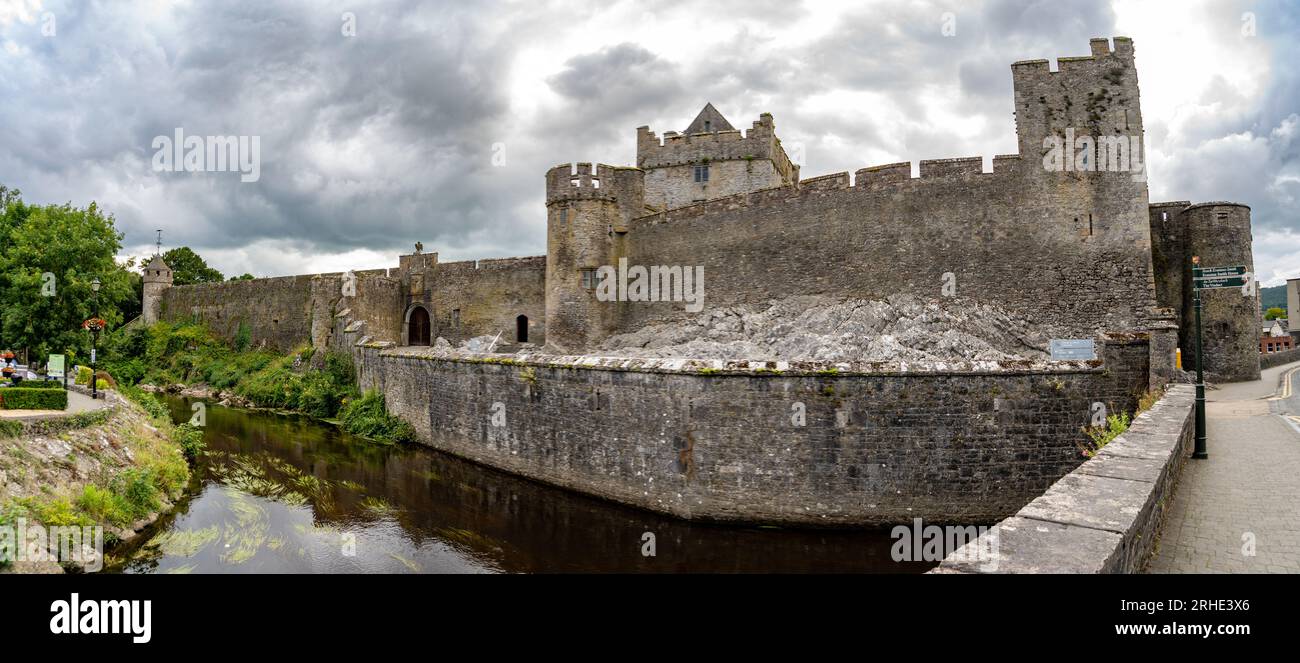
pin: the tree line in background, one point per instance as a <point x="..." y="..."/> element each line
<point x="49" y="257"/>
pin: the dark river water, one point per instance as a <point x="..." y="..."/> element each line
<point x="288" y="494"/>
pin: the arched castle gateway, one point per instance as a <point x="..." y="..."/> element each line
<point x="1069" y="245"/>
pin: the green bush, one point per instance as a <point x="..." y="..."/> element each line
<point x="104" y="506"/>
<point x="338" y="366"/>
<point x="23" y="398"/>
<point x="190" y="437"/>
<point x="276" y="387"/>
<point x="126" y="371"/>
<point x="154" y="407"/>
<point x="10" y="429"/>
<point x="318" y="397"/>
<point x="42" y="384"/>
<point x="137" y="489"/>
<point x="368" y="417"/>
<point x="323" y="391"/>
<point x="57" y="512"/>
<point x="83" y="375"/>
<point x="243" y="337"/>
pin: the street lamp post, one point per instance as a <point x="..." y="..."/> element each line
<point x="94" y="342"/>
<point x="1199" y="450"/>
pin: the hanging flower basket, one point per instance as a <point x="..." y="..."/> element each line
<point x="94" y="324"/>
<point x="8" y="355"/>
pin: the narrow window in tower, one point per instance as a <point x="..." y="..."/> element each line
<point x="455" y="318"/>
<point x="702" y="174"/>
<point x="588" y="279"/>
<point x="1090" y="225"/>
<point x="564" y="215"/>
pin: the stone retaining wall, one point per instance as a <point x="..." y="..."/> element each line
<point x="764" y="442"/>
<point x="1279" y="358"/>
<point x="1104" y="517"/>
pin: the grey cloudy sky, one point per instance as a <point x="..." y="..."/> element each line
<point x="374" y="141"/>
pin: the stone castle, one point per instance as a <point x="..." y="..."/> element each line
<point x="1078" y="252"/>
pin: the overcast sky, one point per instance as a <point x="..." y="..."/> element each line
<point x="374" y="141"/>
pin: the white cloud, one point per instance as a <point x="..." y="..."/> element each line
<point x="374" y="142"/>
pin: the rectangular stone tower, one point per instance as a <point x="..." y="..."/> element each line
<point x="711" y="160"/>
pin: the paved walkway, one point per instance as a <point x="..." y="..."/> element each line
<point x="1239" y="510"/>
<point x="77" y="403"/>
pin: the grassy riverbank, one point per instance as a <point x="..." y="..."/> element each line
<point x="117" y="468"/>
<point x="165" y="355"/>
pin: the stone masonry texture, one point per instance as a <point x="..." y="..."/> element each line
<point x="1105" y="515"/>
<point x="960" y="444"/>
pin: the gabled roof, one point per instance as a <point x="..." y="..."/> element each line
<point x="709" y="117"/>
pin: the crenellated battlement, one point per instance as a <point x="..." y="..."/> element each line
<point x="580" y="181"/>
<point x="1095" y="95"/>
<point x="936" y="176"/>
<point x="1101" y="54"/>
<point x="491" y="264"/>
<point x="676" y="149"/>
<point x="959" y="167"/>
<point x="680" y="149"/>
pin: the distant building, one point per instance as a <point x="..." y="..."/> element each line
<point x="1275" y="337"/>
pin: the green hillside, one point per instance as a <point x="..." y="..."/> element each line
<point x="1274" y="296"/>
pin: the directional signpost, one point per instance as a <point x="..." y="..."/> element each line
<point x="1209" y="278"/>
<point x="1220" y="277"/>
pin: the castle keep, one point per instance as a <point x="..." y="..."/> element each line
<point x="1077" y="252"/>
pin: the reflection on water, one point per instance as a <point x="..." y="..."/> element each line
<point x="288" y="494"/>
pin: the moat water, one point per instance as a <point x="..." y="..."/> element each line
<point x="288" y="494"/>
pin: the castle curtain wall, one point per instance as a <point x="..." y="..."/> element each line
<point x="277" y="311"/>
<point x="1046" y="246"/>
<point x="489" y="296"/>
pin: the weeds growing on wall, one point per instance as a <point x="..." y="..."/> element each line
<point x="1100" y="436"/>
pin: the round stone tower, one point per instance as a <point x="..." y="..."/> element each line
<point x="1219" y="233"/>
<point x="157" y="279"/>
<point x="586" y="213"/>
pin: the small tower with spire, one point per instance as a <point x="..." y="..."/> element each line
<point x="157" y="279"/>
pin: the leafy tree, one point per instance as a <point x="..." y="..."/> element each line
<point x="188" y="268"/>
<point x="133" y="307"/>
<point x="1274" y="313"/>
<point x="243" y="277"/>
<point x="48" y="257"/>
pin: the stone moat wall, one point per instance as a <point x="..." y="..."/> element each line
<point x="719" y="441"/>
<point x="1103" y="517"/>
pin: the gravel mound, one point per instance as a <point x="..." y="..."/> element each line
<point x="809" y="328"/>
